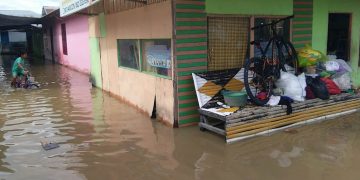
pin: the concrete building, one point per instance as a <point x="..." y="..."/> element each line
<point x="145" y="51"/>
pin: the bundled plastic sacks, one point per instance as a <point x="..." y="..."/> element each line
<point x="343" y="81"/>
<point x="310" y="57"/>
<point x="317" y="87"/>
<point x="332" y="65"/>
<point x="294" y="87"/>
<point x="343" y="67"/>
<point x="331" y="86"/>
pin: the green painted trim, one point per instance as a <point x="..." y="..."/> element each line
<point x="95" y="62"/>
<point x="302" y="26"/>
<point x="190" y="15"/>
<point x="299" y="45"/>
<point x="303" y="6"/>
<point x="303" y="13"/>
<point x="187" y="113"/>
<point x="194" y="64"/>
<point x="191" y="32"/>
<point x="302" y="19"/>
<point x="195" y="48"/>
<point x="250" y="7"/>
<point x="302" y="32"/>
<point x="190" y="40"/>
<point x="131" y="69"/>
<point x="187" y="97"/>
<point x="102" y="24"/>
<point x="191" y="23"/>
<point x="190" y="73"/>
<point x="140" y="55"/>
<point x="182" y="82"/>
<point x="191" y="56"/>
<point x="189" y="89"/>
<point x="190" y="6"/>
<point x="302" y="39"/>
<point x="188" y="105"/>
<point x="188" y="121"/>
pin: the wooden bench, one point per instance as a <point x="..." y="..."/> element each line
<point x="237" y="124"/>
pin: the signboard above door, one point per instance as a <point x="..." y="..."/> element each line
<point x="68" y="7"/>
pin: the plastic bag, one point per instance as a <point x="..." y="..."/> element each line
<point x="318" y="87"/>
<point x="343" y="81"/>
<point x="343" y="66"/>
<point x="294" y="87"/>
<point x="310" y="57"/>
<point x="331" y="86"/>
<point x="332" y="66"/>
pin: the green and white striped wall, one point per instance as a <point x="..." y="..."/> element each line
<point x="302" y="23"/>
<point x="190" y="54"/>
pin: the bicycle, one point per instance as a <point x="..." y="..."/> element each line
<point x="260" y="73"/>
<point x="26" y="84"/>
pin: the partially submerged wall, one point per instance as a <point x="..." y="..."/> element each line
<point x="77" y="32"/>
<point x="138" y="88"/>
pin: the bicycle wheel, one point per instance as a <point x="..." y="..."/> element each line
<point x="290" y="59"/>
<point x="258" y="86"/>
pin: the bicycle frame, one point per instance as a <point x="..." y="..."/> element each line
<point x="276" y="40"/>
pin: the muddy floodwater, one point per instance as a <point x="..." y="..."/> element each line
<point x="102" y="138"/>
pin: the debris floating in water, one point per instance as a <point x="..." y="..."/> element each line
<point x="49" y="146"/>
<point x="291" y="131"/>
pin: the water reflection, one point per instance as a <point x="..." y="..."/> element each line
<point x="103" y="138"/>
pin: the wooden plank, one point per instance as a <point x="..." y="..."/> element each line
<point x="212" y="129"/>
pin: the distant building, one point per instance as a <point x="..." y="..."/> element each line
<point x="66" y="40"/>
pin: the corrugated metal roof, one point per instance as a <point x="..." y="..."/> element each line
<point x="20" y="13"/>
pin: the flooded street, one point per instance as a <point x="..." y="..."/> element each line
<point x="101" y="137"/>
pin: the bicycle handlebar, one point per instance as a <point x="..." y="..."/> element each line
<point x="272" y="23"/>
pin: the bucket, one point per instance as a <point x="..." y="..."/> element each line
<point x="235" y="98"/>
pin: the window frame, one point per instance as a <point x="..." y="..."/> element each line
<point x="119" y="56"/>
<point x="171" y="58"/>
<point x="140" y="49"/>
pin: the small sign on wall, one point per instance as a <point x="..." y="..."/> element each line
<point x="158" y="56"/>
<point x="68" y="7"/>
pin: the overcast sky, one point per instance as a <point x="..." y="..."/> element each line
<point x="32" y="5"/>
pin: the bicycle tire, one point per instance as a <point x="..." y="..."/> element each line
<point x="249" y="90"/>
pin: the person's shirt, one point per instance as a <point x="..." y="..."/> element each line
<point x="18" y="61"/>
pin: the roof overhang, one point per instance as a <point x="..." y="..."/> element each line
<point x="14" y="22"/>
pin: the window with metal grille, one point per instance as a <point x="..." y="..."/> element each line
<point x="228" y="42"/>
<point x="64" y="41"/>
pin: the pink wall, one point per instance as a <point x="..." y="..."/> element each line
<point x="77" y="31"/>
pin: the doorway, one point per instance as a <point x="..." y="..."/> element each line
<point x="339" y="35"/>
